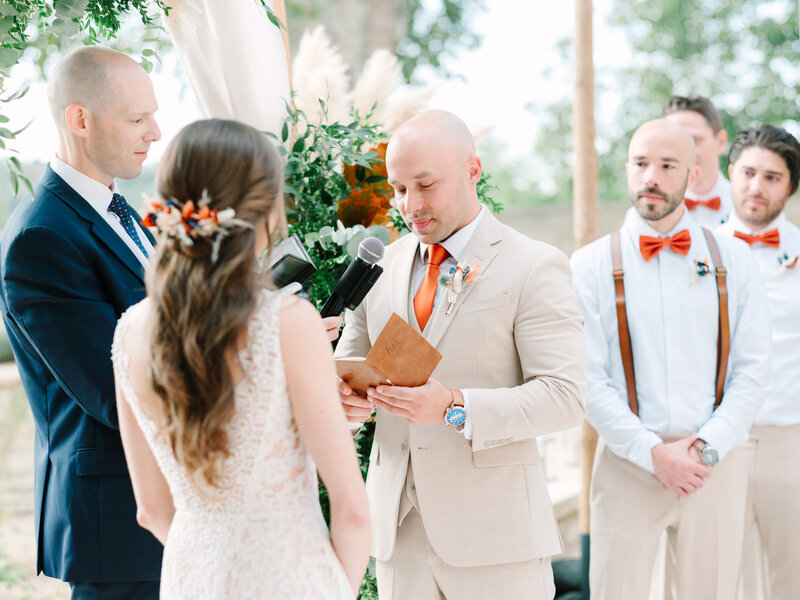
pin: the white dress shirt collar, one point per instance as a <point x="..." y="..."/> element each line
<point x="738" y="225"/>
<point x="639" y="226"/>
<point x="99" y="198"/>
<point x="721" y="189"/>
<point x="458" y="241"/>
<point x="91" y="190"/>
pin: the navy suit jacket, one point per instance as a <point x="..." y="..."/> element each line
<point x="65" y="279"/>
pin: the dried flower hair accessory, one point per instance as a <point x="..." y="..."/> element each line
<point x="189" y="222"/>
<point x="455" y="282"/>
<point x="785" y="262"/>
<point x="700" y="268"/>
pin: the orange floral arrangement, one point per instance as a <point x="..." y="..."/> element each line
<point x="370" y="199"/>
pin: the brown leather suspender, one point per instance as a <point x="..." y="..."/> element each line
<point x="625" y="347"/>
<point x="723" y="331"/>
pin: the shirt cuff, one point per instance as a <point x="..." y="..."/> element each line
<point x="642" y="454"/>
<point x="467" y="431"/>
<point x="718" y="435"/>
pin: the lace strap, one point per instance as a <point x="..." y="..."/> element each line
<point x="121" y="360"/>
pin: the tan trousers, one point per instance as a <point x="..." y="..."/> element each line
<point x="630" y="511"/>
<point x="415" y="571"/>
<point x="772" y="519"/>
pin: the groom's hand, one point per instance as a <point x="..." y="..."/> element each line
<point x="422" y="405"/>
<point x="356" y="408"/>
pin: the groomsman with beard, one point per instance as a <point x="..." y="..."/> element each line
<point x="708" y="197"/>
<point x="72" y="261"/>
<point x="678" y="350"/>
<point x="458" y="499"/>
<point x="764" y="170"/>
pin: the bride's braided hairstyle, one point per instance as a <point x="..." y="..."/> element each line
<point x="203" y="305"/>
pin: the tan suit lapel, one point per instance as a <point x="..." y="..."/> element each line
<point x="401" y="269"/>
<point x="479" y="251"/>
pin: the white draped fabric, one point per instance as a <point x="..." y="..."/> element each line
<point x="234" y="59"/>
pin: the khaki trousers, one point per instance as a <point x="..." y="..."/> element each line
<point x="630" y="511"/>
<point x="772" y="519"/>
<point x="415" y="571"/>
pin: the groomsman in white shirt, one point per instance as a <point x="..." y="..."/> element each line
<point x="670" y="420"/>
<point x="708" y="198"/>
<point x="764" y="170"/>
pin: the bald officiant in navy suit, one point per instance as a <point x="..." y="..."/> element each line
<point x="71" y="262"/>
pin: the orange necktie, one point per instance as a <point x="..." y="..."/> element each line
<point x="771" y="238"/>
<point x="712" y="203"/>
<point x="651" y="246"/>
<point x="423" y="301"/>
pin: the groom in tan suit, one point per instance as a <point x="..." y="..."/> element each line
<point x="460" y="510"/>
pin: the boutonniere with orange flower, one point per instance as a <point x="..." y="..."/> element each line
<point x="700" y="268"/>
<point x="456" y="282"/>
<point x="785" y="262"/>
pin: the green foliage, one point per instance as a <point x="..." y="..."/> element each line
<point x="742" y="54"/>
<point x="64" y="19"/>
<point x="11" y="576"/>
<point x="433" y="36"/>
<point x="315" y="184"/>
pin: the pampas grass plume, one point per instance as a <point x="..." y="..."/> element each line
<point x="378" y="79"/>
<point x="319" y="72"/>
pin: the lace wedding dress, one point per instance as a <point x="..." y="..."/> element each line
<point x="263" y="536"/>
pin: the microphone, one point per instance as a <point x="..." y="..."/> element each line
<point x="357" y="280"/>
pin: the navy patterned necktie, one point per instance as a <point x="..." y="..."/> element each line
<point x="123" y="210"/>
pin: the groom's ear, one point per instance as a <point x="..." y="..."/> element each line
<point x="474" y="169"/>
<point x="76" y="117"/>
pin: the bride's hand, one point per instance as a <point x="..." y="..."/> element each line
<point x="356" y="408"/>
<point x="332" y="325"/>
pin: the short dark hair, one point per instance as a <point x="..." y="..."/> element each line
<point x="774" y="139"/>
<point x="698" y="104"/>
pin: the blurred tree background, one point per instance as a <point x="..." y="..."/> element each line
<point x="742" y="54"/>
<point x="421" y="33"/>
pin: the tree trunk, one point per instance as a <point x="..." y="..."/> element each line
<point x="359" y="28"/>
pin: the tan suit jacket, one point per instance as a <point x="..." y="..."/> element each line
<point x="515" y="342"/>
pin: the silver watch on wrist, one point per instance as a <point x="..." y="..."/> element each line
<point x="708" y="455"/>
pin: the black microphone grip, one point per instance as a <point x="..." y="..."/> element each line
<point x="352" y="287"/>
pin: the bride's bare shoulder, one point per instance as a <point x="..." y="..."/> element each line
<point x="293" y="307"/>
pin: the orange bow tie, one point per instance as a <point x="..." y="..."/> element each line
<point x="651" y="246"/>
<point x="712" y="203"/>
<point x="771" y="238"/>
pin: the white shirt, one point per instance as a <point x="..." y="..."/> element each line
<point x="455" y="245"/>
<point x="673" y="327"/>
<point x="99" y="197"/>
<point x="782" y="406"/>
<point x="708" y="218"/>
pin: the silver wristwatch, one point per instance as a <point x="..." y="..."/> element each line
<point x="708" y="455"/>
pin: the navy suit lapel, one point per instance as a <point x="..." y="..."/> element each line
<point x="99" y="228"/>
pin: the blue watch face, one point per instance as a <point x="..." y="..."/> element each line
<point x="455" y="416"/>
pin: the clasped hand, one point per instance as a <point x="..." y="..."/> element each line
<point x="678" y="467"/>
<point x="421" y="405"/>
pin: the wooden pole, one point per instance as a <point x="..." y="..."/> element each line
<point x="279" y="6"/>
<point x="584" y="200"/>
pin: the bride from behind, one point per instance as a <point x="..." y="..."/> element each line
<point x="226" y="392"/>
